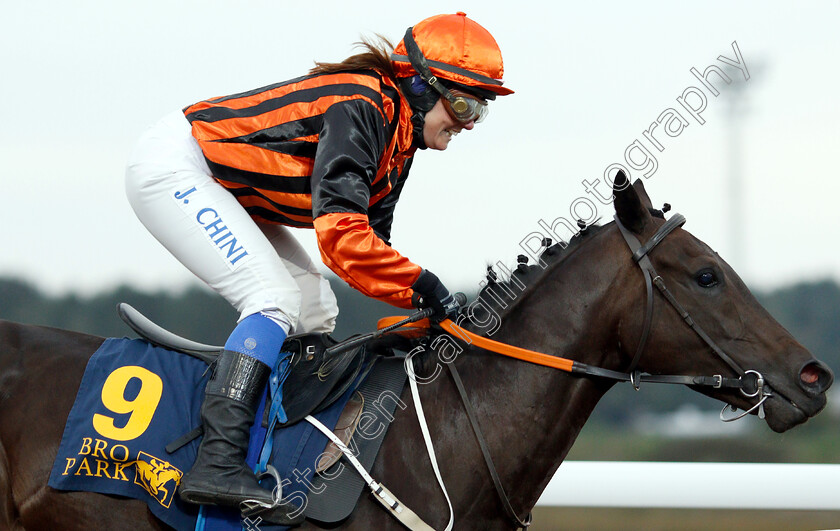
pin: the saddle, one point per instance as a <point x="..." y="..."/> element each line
<point x="336" y="382"/>
<point x="314" y="379"/>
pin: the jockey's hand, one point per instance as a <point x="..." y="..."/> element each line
<point x="433" y="294"/>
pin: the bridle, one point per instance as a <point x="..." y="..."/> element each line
<point x="751" y="383"/>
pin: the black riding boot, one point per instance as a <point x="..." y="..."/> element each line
<point x="220" y="475"/>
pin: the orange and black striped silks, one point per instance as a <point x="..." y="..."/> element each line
<point x="267" y="147"/>
<point x="330" y="151"/>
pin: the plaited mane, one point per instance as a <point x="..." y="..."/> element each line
<point x="503" y="293"/>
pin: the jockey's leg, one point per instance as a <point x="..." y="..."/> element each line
<point x="319" y="308"/>
<point x="220" y="475"/>
<point x="202" y="224"/>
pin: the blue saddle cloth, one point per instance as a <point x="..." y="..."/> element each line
<point x="136" y="398"/>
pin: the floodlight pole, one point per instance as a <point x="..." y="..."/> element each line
<point x="737" y="110"/>
<point x="735" y="177"/>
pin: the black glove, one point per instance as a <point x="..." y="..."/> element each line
<point x="434" y="295"/>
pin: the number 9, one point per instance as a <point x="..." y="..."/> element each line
<point x="142" y="408"/>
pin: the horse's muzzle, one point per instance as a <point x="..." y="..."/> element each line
<point x="815" y="378"/>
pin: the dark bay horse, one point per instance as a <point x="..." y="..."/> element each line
<point x="588" y="303"/>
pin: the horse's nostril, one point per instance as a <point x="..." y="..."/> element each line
<point x="815" y="377"/>
<point x="809" y="375"/>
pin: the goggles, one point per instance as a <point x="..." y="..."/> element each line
<point x="461" y="106"/>
<point x="464" y="107"/>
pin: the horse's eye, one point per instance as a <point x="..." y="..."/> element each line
<point x="707" y="278"/>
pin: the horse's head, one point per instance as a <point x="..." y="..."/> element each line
<point x="706" y="291"/>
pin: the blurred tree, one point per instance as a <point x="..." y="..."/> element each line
<point x="196" y="313"/>
<point x="808" y="310"/>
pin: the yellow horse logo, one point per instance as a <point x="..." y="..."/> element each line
<point x="158" y="477"/>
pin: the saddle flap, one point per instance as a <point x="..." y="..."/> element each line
<point x="344" y="430"/>
<point x="315" y="379"/>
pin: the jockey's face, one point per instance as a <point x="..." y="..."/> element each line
<point x="440" y="127"/>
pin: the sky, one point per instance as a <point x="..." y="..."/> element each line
<point x="83" y="79"/>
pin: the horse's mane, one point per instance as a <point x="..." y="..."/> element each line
<point x="503" y="294"/>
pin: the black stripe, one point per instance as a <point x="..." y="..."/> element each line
<point x="295" y="148"/>
<point x="255" y="91"/>
<point x="392" y="130"/>
<point x="394" y="94"/>
<point x="276" y="217"/>
<point x="215" y="114"/>
<point x="450" y="68"/>
<point x="274" y="183"/>
<point x="380" y="185"/>
<point x="277" y="138"/>
<point x="266" y="88"/>
<point x="248" y="192"/>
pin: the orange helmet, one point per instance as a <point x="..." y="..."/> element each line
<point x="456" y="49"/>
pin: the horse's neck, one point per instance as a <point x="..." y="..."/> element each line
<point x="530" y="416"/>
<point x="540" y="411"/>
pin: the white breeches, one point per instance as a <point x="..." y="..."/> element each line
<point x="256" y="267"/>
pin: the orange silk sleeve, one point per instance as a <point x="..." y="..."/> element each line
<point x="355" y="253"/>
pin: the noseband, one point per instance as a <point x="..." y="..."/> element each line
<point x="750" y="382"/>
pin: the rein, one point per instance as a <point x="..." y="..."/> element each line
<point x="750" y="382"/>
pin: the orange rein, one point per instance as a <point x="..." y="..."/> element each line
<point x="421" y="327"/>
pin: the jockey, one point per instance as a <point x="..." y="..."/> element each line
<point x="218" y="183"/>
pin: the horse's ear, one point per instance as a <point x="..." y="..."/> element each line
<point x="643" y="196"/>
<point x="628" y="204"/>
